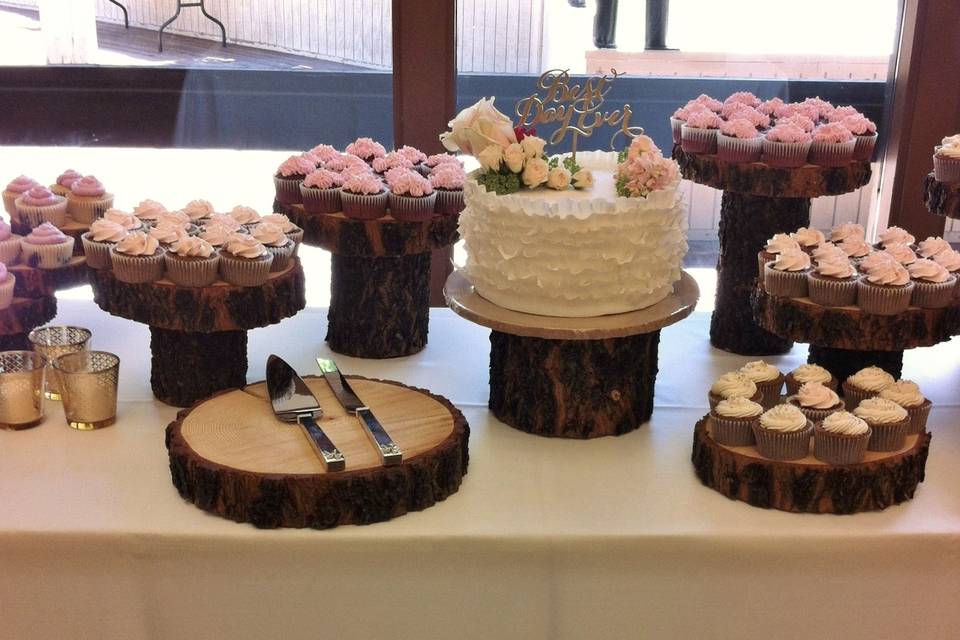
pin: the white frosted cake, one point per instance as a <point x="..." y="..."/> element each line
<point x="574" y="253"/>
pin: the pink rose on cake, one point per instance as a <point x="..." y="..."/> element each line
<point x="478" y="127"/>
<point x="646" y="173"/>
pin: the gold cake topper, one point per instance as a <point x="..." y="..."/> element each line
<point x="576" y="108"/>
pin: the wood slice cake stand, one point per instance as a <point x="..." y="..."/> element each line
<point x="845" y="339"/>
<point x="380" y="278"/>
<point x="231" y="456"/>
<point x="572" y="377"/>
<point x="198" y="336"/>
<point x="809" y="485"/>
<point x="758" y="202"/>
<point x="941" y="198"/>
<point x="34" y="303"/>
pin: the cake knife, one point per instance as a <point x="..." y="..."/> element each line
<point x="292" y="401"/>
<point x="390" y="453"/>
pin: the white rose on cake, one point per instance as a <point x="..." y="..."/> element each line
<point x="535" y="172"/>
<point x="477" y="127"/>
<point x="583" y="179"/>
<point x="533" y="146"/>
<point x="513" y="156"/>
<point x="558" y="178"/>
<point x="491" y="157"/>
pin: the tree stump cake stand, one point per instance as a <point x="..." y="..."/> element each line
<point x="572" y="377"/>
<point x="198" y="336"/>
<point x="231" y="456"/>
<point x="380" y="278"/>
<point x="35" y="303"/>
<point x="809" y="485"/>
<point x="758" y="202"/>
<point x="941" y="198"/>
<point x="845" y="339"/>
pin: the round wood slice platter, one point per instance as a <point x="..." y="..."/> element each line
<point x="850" y="328"/>
<point x="25" y="314"/>
<point x="465" y="301"/>
<point x="809" y="485"/>
<point x="231" y="456"/>
<point x="35" y="283"/>
<point x="219" y="307"/>
<point x="941" y="198"/>
<point x="72" y="228"/>
<point x="380" y="238"/>
<point x="760" y="179"/>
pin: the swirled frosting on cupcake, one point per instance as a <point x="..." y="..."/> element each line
<point x="799" y="120"/>
<point x="858" y="124"/>
<point x="760" y="371"/>
<point x="904" y="392"/>
<point x="366" y="149"/>
<point x="847" y="230"/>
<point x="126" y="220"/>
<point x="168" y="233"/>
<point x="814" y="395"/>
<point x="839" y="113"/>
<point x="192" y="247"/>
<point x="876" y="258"/>
<point x="68" y="177"/>
<point x="808" y="237"/>
<point x="828" y="251"/>
<point x="704" y="120"/>
<point x="871" y="379"/>
<point x="296" y="166"/>
<point x="21" y="184"/>
<point x="45" y="233"/>
<point x="784" y="418"/>
<point x="224" y="220"/>
<point x="412" y="154"/>
<point x="880" y="411"/>
<point x="391" y="161"/>
<point x="441" y="158"/>
<point x="844" y="423"/>
<point x="198" y="210"/>
<point x="900" y="252"/>
<point x="280" y="220"/>
<point x="409" y="183"/>
<point x="789" y="133"/>
<point x="792" y="260"/>
<point x="137" y="243"/>
<point x="734" y="384"/>
<point x="448" y="176"/>
<point x="363" y="184"/>
<point x="948" y="150"/>
<point x="896" y="234"/>
<point x="244" y="247"/>
<point x="738" y="407"/>
<point x="781" y="242"/>
<point x="743" y="97"/>
<point x="343" y="161"/>
<point x="40" y="196"/>
<point x="888" y="273"/>
<point x="689" y="109"/>
<point x="739" y="128"/>
<point x="949" y="260"/>
<point x="838" y="268"/>
<point x="324" y="152"/>
<point x="323" y="179"/>
<point x="811" y="373"/>
<point x="928" y="271"/>
<point x="149" y="209"/>
<point x="855" y="247"/>
<point x="88" y="187"/>
<point x="103" y="230"/>
<point x="932" y="246"/>
<point x="217" y="234"/>
<point x="177" y="218"/>
<point x="245" y="215"/>
<point x="832" y="133"/>
<point x="270" y="235"/>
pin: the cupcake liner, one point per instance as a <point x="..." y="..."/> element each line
<point x="10" y="250"/>
<point x="137" y="269"/>
<point x="785" y="154"/>
<point x="733" y="432"/>
<point x="933" y="295"/>
<point x="694" y="140"/>
<point x="740" y="150"/>
<point x="853" y="395"/>
<point x="888" y="436"/>
<point x="714" y="399"/>
<point x="883" y="300"/>
<point x="762" y="259"/>
<point x="815" y="415"/>
<point x="956" y="288"/>
<point x="831" y="292"/>
<point x="320" y="200"/>
<point x="918" y="415"/>
<point x="946" y="169"/>
<point x="770" y="391"/>
<point x="449" y="202"/>
<point x="55" y="214"/>
<point x="839" y="448"/>
<point x="296" y="237"/>
<point x="793" y="385"/>
<point x="787" y="284"/>
<point x="281" y="256"/>
<point x="863" y="149"/>
<point x="288" y="190"/>
<point x="832" y="154"/>
<point x="244" y="272"/>
<point x="47" y="256"/>
<point x="85" y="209"/>
<point x="9" y="198"/>
<point x="364" y="207"/>
<point x="97" y="253"/>
<point x="191" y="272"/>
<point x="411" y="208"/>
<point x="783" y="445"/>
<point x="6" y="290"/>
<point x="675" y="128"/>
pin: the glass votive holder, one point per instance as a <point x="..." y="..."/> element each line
<point x="53" y="342"/>
<point x="21" y="389"/>
<point x="88" y="386"/>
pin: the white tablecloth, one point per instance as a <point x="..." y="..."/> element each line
<point x="551" y="539"/>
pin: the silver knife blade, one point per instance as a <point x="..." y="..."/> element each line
<point x="292" y="401"/>
<point x="390" y="453"/>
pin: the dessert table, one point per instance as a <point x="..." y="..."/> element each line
<point x="546" y="538"/>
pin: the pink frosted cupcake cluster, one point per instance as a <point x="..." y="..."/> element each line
<point x="744" y="128"/>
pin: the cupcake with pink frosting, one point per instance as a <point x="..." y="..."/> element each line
<point x="198" y="210"/>
<point x="218" y="235"/>
<point x="137" y="258"/>
<point x="247" y="216"/>
<point x="245" y="262"/>
<point x="832" y="145"/>
<point x="392" y="160"/>
<point x="699" y="133"/>
<point x="277" y="243"/>
<point x="411" y="197"/>
<point x="192" y="262"/>
<point x="933" y="284"/>
<point x="98" y="242"/>
<point x="679" y="117"/>
<point x="289" y="177"/>
<point x="320" y="192"/>
<point x="414" y="155"/>
<point x="839" y="113"/>
<point x="895" y="235"/>
<point x="787" y="275"/>
<point x="38" y="204"/>
<point x="292" y="231"/>
<point x="885" y="288"/>
<point x="46" y="247"/>
<point x="864" y="132"/>
<point x="16" y="188"/>
<point x="786" y="145"/>
<point x="9" y="244"/>
<point x="125" y="219"/>
<point x="366" y="149"/>
<point x="949" y="260"/>
<point x="768" y="107"/>
<point x="364" y="197"/>
<point x="432" y="162"/>
<point x="739" y="141"/>
<point x="345" y="161"/>
<point x="801" y="121"/>
<point x="88" y="199"/>
<point x="447" y="181"/>
<point x="743" y="97"/>
<point x="7" y="282"/>
<point x="168" y="234"/>
<point x="324" y="153"/>
<point x="148" y="211"/>
<point x="62" y="186"/>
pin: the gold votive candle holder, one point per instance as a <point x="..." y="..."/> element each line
<point x="53" y="342"/>
<point x="88" y="386"/>
<point x="21" y="389"/>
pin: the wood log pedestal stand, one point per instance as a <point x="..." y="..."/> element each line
<point x="845" y="339"/>
<point x="809" y="485"/>
<point x="758" y="202"/>
<point x="34" y="300"/>
<point x="198" y="336"/>
<point x="572" y="377"/>
<point x="229" y="455"/>
<point x="941" y="198"/>
<point x="380" y="278"/>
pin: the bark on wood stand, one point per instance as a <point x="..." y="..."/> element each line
<point x="572" y="377"/>
<point x="808" y="485"/>
<point x="758" y="202"/>
<point x="198" y="336"/>
<point x="34" y="301"/>
<point x="941" y="198"/>
<point x="380" y="278"/>
<point x="845" y="339"/>
<point x="229" y="455"/>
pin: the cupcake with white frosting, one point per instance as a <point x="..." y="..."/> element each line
<point x="783" y="433"/>
<point x="247" y="216"/>
<point x="787" y="275"/>
<point x="244" y="261"/>
<point x="291" y="230"/>
<point x="888" y="421"/>
<point x="168" y="234"/>
<point x="776" y="245"/>
<point x="833" y="282"/>
<point x="816" y="401"/>
<point x="866" y="383"/>
<point x="733" y="385"/>
<point x="198" y="210"/>
<point x="126" y="220"/>
<point x="841" y="438"/>
<point x="933" y="285"/>
<point x="950" y="260"/>
<point x="148" y="211"/>
<point x="809" y="373"/>
<point x="218" y="235"/>
<point x="99" y="240"/>
<point x="885" y="288"/>
<point x="932" y="246"/>
<point x="893" y="235"/>
<point x="768" y="379"/>
<point x="137" y="258"/>
<point x="192" y="262"/>
<point x="808" y="238"/>
<point x="901" y="252"/>
<point x="847" y="230"/>
<point x="907" y="394"/>
<point x="277" y="243"/>
<point x="946" y="160"/>
<point x="856" y="248"/>
<point x="733" y="420"/>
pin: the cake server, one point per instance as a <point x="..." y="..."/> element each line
<point x="390" y="453"/>
<point x="293" y="401"/>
